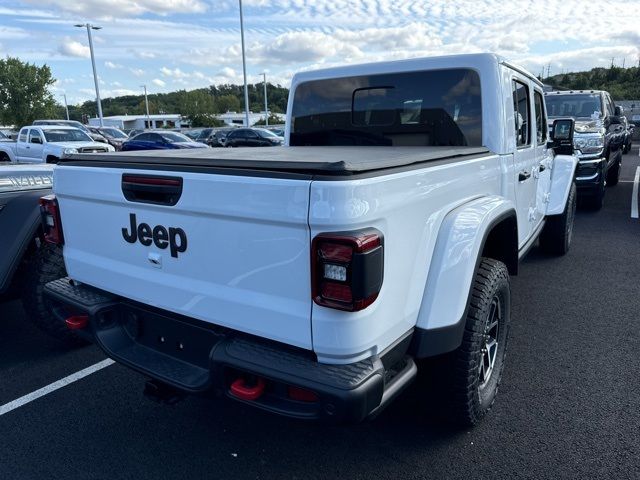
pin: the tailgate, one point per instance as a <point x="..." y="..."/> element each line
<point x="232" y="251"/>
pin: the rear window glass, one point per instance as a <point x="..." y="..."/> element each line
<point x="426" y="108"/>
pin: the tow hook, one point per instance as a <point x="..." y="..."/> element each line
<point x="162" y="393"/>
<point x="248" y="389"/>
<point x="76" y="322"/>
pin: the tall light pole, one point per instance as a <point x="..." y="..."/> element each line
<point x="244" y="70"/>
<point x="90" y="27"/>
<point x="266" y="112"/>
<point x="146" y="102"/>
<point x="66" y="107"/>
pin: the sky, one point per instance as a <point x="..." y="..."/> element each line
<point x="169" y="45"/>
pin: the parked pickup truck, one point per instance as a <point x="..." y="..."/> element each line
<point x="49" y="144"/>
<point x="598" y="140"/>
<point x="314" y="280"/>
<point x="27" y="262"/>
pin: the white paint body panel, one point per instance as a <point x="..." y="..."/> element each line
<point x="247" y="266"/>
<point x="247" y="261"/>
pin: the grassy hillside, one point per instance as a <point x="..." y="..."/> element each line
<point x="621" y="83"/>
<point x="196" y="104"/>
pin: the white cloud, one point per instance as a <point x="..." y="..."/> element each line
<point x="120" y="8"/>
<point x="158" y="82"/>
<point x="285" y="36"/>
<point x="11" y="33"/>
<point x="71" y="48"/>
<point x="175" y="73"/>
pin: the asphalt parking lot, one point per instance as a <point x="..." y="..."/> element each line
<point x="568" y="407"/>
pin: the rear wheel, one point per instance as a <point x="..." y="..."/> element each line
<point x="557" y="233"/>
<point x="469" y="376"/>
<point x="4" y="157"/>
<point x="44" y="265"/>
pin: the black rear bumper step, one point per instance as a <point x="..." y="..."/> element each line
<point x="198" y="358"/>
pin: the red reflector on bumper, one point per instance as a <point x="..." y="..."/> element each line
<point x="240" y="389"/>
<point x="77" y="322"/>
<point x="302" y="395"/>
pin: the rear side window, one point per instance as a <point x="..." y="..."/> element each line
<point x="541" y="119"/>
<point x="424" y="108"/>
<point x="23" y="135"/>
<point x="521" y="114"/>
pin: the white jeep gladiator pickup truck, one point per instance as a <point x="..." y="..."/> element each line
<point x="315" y="280"/>
<point x="49" y="144"/>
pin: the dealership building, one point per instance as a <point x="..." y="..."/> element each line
<point x="174" y="120"/>
<point x="139" y="122"/>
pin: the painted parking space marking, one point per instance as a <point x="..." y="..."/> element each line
<point x="634" y="195"/>
<point x="63" y="382"/>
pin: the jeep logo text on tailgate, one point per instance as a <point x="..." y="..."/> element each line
<point x="174" y="238"/>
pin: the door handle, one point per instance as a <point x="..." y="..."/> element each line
<point x="542" y="167"/>
<point x="522" y="176"/>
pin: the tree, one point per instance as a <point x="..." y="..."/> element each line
<point x="273" y="120"/>
<point x="205" y="120"/>
<point x="228" y="103"/>
<point x="24" y="92"/>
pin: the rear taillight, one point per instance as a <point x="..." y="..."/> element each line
<point x="51" y="219"/>
<point x="347" y="269"/>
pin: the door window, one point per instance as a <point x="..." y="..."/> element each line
<point x="23" y="135"/>
<point x="541" y="119"/>
<point x="522" y="116"/>
<point x="34" y="136"/>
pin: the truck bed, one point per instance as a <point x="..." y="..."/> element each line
<point x="309" y="160"/>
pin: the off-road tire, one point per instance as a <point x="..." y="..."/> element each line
<point x="557" y="233"/>
<point x="4" y="157"/>
<point x="463" y="398"/>
<point x="44" y="265"/>
<point x="613" y="175"/>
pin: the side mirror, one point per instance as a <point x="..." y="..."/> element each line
<point x="562" y="136"/>
<point x="619" y="111"/>
<point x="615" y="120"/>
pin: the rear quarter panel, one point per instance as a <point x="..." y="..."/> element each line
<point x="408" y="208"/>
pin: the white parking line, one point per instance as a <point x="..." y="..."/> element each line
<point x="63" y="382"/>
<point x="634" y="195"/>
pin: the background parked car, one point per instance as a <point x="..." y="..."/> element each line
<point x="114" y="136"/>
<point x="9" y="133"/>
<point x="96" y="137"/>
<point x="161" y="140"/>
<point x="628" y="134"/>
<point x="252" y="137"/>
<point x="134" y="132"/>
<point x="279" y="130"/>
<point x="214" y="137"/>
<point x="192" y="133"/>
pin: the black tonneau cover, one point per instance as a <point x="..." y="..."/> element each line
<point x="312" y="160"/>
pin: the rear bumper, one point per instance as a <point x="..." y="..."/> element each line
<point x="196" y="357"/>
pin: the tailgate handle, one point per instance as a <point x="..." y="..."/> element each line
<point x="158" y="190"/>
